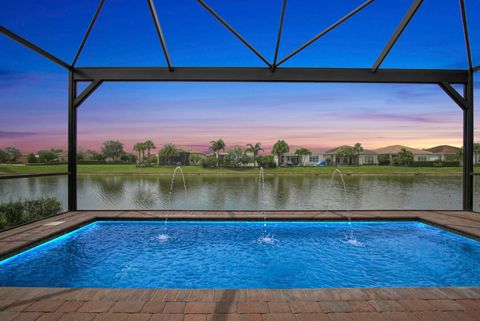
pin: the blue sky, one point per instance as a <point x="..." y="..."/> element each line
<point x="33" y="90"/>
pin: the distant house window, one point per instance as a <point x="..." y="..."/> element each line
<point x="314" y="159"/>
<point x="422" y="158"/>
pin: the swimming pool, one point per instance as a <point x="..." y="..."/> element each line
<point x="201" y="254"/>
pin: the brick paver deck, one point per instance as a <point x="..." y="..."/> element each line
<point x="390" y="304"/>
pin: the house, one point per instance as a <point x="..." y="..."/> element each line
<point x="292" y="159"/>
<point x="365" y="157"/>
<point x="419" y="155"/>
<point x="446" y="153"/>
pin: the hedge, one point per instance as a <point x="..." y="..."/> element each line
<point x="23" y="211"/>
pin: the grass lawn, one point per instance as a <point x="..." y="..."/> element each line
<point x="102" y="169"/>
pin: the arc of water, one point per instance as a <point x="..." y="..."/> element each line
<point x="337" y="171"/>
<point x="172" y="184"/>
<point x="351" y="236"/>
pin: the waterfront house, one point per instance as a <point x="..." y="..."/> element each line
<point x="419" y="155"/>
<point x="446" y="153"/>
<point x="365" y="157"/>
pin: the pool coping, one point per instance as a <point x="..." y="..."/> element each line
<point x="385" y="304"/>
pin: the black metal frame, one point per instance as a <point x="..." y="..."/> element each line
<point x="97" y="75"/>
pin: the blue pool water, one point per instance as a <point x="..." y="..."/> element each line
<point x="230" y="255"/>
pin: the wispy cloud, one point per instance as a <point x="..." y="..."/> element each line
<point x="12" y="134"/>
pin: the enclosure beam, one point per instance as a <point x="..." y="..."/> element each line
<point x="324" y="32"/>
<point x="86" y="93"/>
<point x="456" y="97"/>
<point x="72" y="143"/>
<point x="158" y="27"/>
<point x="232" y="30"/>
<point x="234" y="74"/>
<point x="89" y="29"/>
<point x="468" y="150"/>
<point x="465" y="33"/>
<point x="398" y="32"/>
<point x="279" y="36"/>
<point x="34" y="47"/>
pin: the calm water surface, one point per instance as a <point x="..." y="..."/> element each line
<point x="241" y="192"/>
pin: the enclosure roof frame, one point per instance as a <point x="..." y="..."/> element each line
<point x="444" y="78"/>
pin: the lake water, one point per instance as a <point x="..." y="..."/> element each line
<point x="240" y="192"/>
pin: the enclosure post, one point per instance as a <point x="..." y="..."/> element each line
<point x="72" y="144"/>
<point x="468" y="151"/>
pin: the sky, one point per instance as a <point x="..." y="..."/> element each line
<point x="33" y="91"/>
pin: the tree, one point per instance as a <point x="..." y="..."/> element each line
<point x="112" y="149"/>
<point x="280" y="148"/>
<point x="138" y="147"/>
<point x="358" y="148"/>
<point x="149" y="145"/>
<point x="476" y="151"/>
<point x="303" y="152"/>
<point x="47" y="156"/>
<point x="31" y="158"/>
<point x="254" y="149"/>
<point x="234" y="157"/>
<point x="266" y="161"/>
<point x="128" y="158"/>
<point x="404" y="157"/>
<point x="216" y="146"/>
<point x="345" y="155"/>
<point x="4" y="157"/>
<point x="169" y="151"/>
<point x="13" y="154"/>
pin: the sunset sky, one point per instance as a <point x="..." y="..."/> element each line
<point x="33" y="91"/>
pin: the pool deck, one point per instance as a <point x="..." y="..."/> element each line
<point x="391" y="304"/>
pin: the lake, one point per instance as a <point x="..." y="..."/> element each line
<point x="241" y="192"/>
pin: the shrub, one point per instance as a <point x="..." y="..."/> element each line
<point x="383" y="160"/>
<point x="266" y="161"/>
<point x="434" y="164"/>
<point x="209" y="162"/>
<point x="23" y="211"/>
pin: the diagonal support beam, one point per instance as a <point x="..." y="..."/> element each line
<point x="34" y="47"/>
<point x="465" y="33"/>
<point x="153" y="11"/>
<point x="90" y="26"/>
<point x="477" y="68"/>
<point x="398" y="32"/>
<point x="86" y="93"/>
<point x="454" y="95"/>
<point x="324" y="32"/>
<point x="230" y="28"/>
<point x="280" y="28"/>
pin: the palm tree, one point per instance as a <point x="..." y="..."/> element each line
<point x="280" y="148"/>
<point x="302" y="152"/>
<point x="358" y="148"/>
<point x="149" y="145"/>
<point x="254" y="149"/>
<point x="169" y="151"/>
<point x="138" y="148"/>
<point x="142" y="149"/>
<point x="345" y="155"/>
<point x="216" y="146"/>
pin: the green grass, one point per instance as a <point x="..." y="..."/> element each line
<point x="102" y="169"/>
